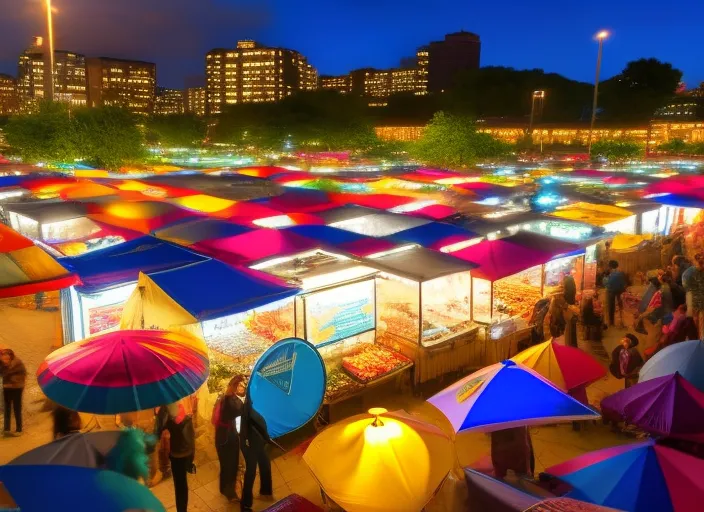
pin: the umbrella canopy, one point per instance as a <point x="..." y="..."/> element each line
<point x="566" y="367"/>
<point x="643" y="477"/>
<point x="84" y="450"/>
<point x="124" y="371"/>
<point x="76" y="489"/>
<point x="665" y="406"/>
<point x="686" y="357"/>
<point x="393" y="462"/>
<point x="506" y="395"/>
<point x="26" y="269"/>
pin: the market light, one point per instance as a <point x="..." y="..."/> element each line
<point x="337" y="277"/>
<point x="460" y="245"/>
<point x="602" y="35"/>
<point x="412" y="207"/>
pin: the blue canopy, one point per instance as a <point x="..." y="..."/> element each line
<point x="686" y="357"/>
<point x="121" y="264"/>
<point x="432" y="233"/>
<point x="680" y="200"/>
<point x="211" y="289"/>
<point x="325" y="234"/>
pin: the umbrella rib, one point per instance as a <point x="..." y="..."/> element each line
<point x="130" y="379"/>
<point x="97" y="372"/>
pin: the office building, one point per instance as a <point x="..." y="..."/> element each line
<point x="118" y="82"/>
<point x="168" y="101"/>
<point x="341" y="83"/>
<point x="69" y="76"/>
<point x="446" y="59"/>
<point x="194" y="99"/>
<point x="9" y="101"/>
<point x="252" y="73"/>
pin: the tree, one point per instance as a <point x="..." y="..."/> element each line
<point x="639" y="90"/>
<point x="453" y="141"/>
<point x="674" y="147"/>
<point x="176" y="130"/>
<point x="617" y="151"/>
<point x="46" y="135"/>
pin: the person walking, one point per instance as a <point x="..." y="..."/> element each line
<point x="652" y="316"/>
<point x="14" y="376"/>
<point x="615" y="286"/>
<point x="255" y="435"/>
<point x="227" y="439"/>
<point x="173" y="418"/>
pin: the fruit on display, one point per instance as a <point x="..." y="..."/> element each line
<point x="371" y="361"/>
<point x="339" y="384"/>
<point x="514" y="298"/>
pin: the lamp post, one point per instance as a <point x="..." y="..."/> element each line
<point x="540" y="96"/>
<point x="49" y="77"/>
<point x="600" y="37"/>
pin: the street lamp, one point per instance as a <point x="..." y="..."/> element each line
<point x="49" y="78"/>
<point x="540" y="96"/>
<point x="600" y="37"/>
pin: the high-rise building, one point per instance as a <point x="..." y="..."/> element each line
<point x="9" y="101"/>
<point x="127" y="83"/>
<point x="458" y="52"/>
<point x="340" y="83"/>
<point x="194" y="100"/>
<point x="168" y="101"/>
<point x="69" y="76"/>
<point x="252" y="73"/>
<point x="384" y="83"/>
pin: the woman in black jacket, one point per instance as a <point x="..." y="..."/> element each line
<point x="227" y="440"/>
<point x="182" y="447"/>
<point x="255" y="436"/>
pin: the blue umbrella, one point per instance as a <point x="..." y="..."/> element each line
<point x="686" y="357"/>
<point x="506" y="395"/>
<point x="76" y="489"/>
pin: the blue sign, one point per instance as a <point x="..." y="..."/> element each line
<point x="287" y="386"/>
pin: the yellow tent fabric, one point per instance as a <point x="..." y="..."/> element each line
<point x="625" y="242"/>
<point x="203" y="203"/>
<point x="595" y="214"/>
<point x="541" y="358"/>
<point x="395" y="465"/>
<point x="91" y="173"/>
<point x="37" y="265"/>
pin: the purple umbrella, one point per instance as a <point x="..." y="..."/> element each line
<point x="668" y="406"/>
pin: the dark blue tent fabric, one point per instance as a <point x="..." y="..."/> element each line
<point x="429" y="234"/>
<point x="212" y="289"/>
<point x="325" y="234"/>
<point x="202" y="229"/>
<point x="122" y="263"/>
<point x="12" y="181"/>
<point x="680" y="200"/>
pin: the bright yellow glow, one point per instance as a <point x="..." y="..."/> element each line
<point x="204" y="203"/>
<point x="458" y="180"/>
<point x="341" y="276"/>
<point x="602" y="35"/>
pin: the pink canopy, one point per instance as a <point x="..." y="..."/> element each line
<point x="254" y="246"/>
<point x="685" y="185"/>
<point x="380" y="201"/>
<point x="434" y="211"/>
<point x="364" y="247"/>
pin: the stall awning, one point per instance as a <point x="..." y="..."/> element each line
<point x="193" y="231"/>
<point x="255" y="245"/>
<point x="594" y="214"/>
<point x="419" y="264"/>
<point x="26" y="269"/>
<point x="121" y="264"/>
<point x="299" y="201"/>
<point x="325" y="234"/>
<point x="46" y="212"/>
<point x="142" y="216"/>
<point x="434" y="235"/>
<point x="212" y="289"/>
<point x="379" y="201"/>
<point x="381" y="224"/>
<point x="345" y="213"/>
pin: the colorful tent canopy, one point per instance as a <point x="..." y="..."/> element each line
<point x="686" y="358"/>
<point x="210" y="289"/>
<point x="298" y="201"/>
<point x="434" y="235"/>
<point x="595" y="214"/>
<point x="142" y="216"/>
<point x="203" y="203"/>
<point x="418" y="264"/>
<point x="434" y="211"/>
<point x="193" y="231"/>
<point x="261" y="172"/>
<point x="676" y="185"/>
<point x="392" y="463"/>
<point x="26" y="269"/>
<point x="124" y="371"/>
<point x="327" y="235"/>
<point x="643" y="477"/>
<point x="367" y="246"/>
<point x="122" y="263"/>
<point x="100" y="489"/>
<point x="345" y="213"/>
<point x="45" y="212"/>
<point x="623" y="242"/>
<point x="255" y="245"/>
<point x="244" y="212"/>
<point x="566" y="367"/>
<point x="381" y="224"/>
<point x="667" y="406"/>
<point x="380" y="201"/>
<point x="489" y="400"/>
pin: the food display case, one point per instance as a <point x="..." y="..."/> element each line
<point x="590" y="267"/>
<point x="556" y="270"/>
<point x="445" y="308"/>
<point x="88" y="314"/>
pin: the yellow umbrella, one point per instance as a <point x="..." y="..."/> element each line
<point x="383" y="462"/>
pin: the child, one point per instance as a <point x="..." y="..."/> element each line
<point x="626" y="360"/>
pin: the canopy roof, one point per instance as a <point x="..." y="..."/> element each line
<point x="192" y="231"/>
<point x="419" y="264"/>
<point x="142" y="216"/>
<point x="381" y="224"/>
<point x="299" y="200"/>
<point x="325" y="234"/>
<point x="344" y="213"/>
<point x="46" y="212"/>
<point x="122" y="263"/>
<point x="26" y="269"/>
<point x="595" y="214"/>
<point x="434" y="235"/>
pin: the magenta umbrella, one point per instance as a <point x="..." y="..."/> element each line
<point x="668" y="406"/>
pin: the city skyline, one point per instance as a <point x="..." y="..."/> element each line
<point x="347" y="36"/>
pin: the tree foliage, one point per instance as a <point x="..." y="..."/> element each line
<point x="452" y="141"/>
<point x="105" y="137"/>
<point x="616" y="151"/>
<point x="680" y="147"/>
<point x="176" y="130"/>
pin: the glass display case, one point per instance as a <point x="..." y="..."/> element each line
<point x="511" y="296"/>
<point x="94" y="313"/>
<point x="25" y="226"/>
<point x="556" y="270"/>
<point x="398" y="307"/>
<point x="445" y="307"/>
<point x="590" y="267"/>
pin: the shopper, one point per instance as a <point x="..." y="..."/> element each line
<point x="66" y="422"/>
<point x="173" y="418"/>
<point x="14" y="376"/>
<point x="255" y="435"/>
<point x="695" y="285"/>
<point x="651" y="317"/>
<point x="626" y="360"/>
<point x="228" y="408"/>
<point x="512" y="449"/>
<point x="615" y="286"/>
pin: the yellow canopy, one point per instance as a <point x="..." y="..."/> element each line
<point x="395" y="462"/>
<point x="595" y="214"/>
<point x="203" y="203"/>
<point x="625" y="242"/>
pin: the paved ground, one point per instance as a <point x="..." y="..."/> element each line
<point x="553" y="444"/>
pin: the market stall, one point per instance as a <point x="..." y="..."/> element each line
<point x="438" y="236"/>
<point x="109" y="276"/>
<point x="612" y="218"/>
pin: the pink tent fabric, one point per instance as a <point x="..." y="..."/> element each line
<point x="244" y="212"/>
<point x="380" y="201"/>
<point x="685" y="185"/>
<point x="367" y="246"/>
<point x="435" y="211"/>
<point x="254" y="246"/>
<point x="497" y="259"/>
